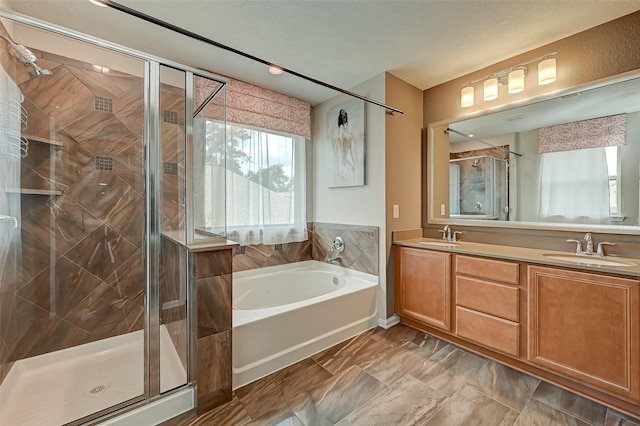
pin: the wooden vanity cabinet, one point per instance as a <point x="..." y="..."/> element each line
<point x="488" y="303"/>
<point x="574" y="328"/>
<point x="423" y="286"/>
<point x="586" y="327"/>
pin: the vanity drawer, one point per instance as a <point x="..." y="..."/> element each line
<point x="489" y="331"/>
<point x="498" y="270"/>
<point x="488" y="297"/>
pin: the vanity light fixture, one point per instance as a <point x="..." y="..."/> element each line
<point x="513" y="77"/>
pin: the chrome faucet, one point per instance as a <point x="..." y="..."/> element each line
<point x="578" y="245"/>
<point x="337" y="247"/>
<point x="600" y="251"/>
<point x="589" y="241"/>
<point x="589" y="247"/>
<point x="448" y="235"/>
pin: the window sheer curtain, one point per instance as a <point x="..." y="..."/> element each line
<point x="574" y="186"/>
<point x="265" y="190"/>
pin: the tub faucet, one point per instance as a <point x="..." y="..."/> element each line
<point x="337" y="247"/>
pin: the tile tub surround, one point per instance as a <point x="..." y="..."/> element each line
<point x="402" y="376"/>
<point x="361" y="245"/>
<point x="210" y="271"/>
<point x="361" y="249"/>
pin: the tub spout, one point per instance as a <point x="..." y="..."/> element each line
<point x="334" y="260"/>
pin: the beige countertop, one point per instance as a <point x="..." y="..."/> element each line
<point x="523" y="254"/>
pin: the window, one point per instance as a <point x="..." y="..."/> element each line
<point x="613" y="166"/>
<point x="574" y="186"/>
<point x="265" y="193"/>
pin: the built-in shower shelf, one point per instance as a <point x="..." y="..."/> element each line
<point x="42" y="140"/>
<point x="30" y="191"/>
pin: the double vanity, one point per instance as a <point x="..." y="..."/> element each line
<point x="570" y="319"/>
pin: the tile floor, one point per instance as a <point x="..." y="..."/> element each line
<point x="402" y="376"/>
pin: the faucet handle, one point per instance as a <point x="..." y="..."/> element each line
<point x="600" y="251"/>
<point x="578" y="245"/>
<point x="455" y="233"/>
<point x="444" y="233"/>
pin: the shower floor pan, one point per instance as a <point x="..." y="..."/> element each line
<point x="66" y="385"/>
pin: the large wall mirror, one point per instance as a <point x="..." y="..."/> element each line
<point x="571" y="161"/>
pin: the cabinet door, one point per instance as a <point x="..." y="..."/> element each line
<point x="586" y="327"/>
<point x="423" y="286"/>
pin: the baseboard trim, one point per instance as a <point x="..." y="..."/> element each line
<point x="389" y="322"/>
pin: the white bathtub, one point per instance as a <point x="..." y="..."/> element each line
<point x="283" y="314"/>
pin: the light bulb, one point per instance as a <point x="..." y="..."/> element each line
<point x="466" y="97"/>
<point x="516" y="81"/>
<point x="491" y="89"/>
<point x="547" y="71"/>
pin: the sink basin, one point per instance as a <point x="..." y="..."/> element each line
<point x="447" y="244"/>
<point x="588" y="260"/>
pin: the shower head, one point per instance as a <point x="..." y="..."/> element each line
<point x="25" y="57"/>
<point x="39" y="72"/>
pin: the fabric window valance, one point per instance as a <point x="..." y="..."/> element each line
<point x="256" y="106"/>
<point x="593" y="133"/>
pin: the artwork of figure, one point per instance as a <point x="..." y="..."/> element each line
<point x="346" y="154"/>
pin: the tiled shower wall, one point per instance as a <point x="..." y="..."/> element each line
<point x="77" y="276"/>
<point x="361" y="249"/>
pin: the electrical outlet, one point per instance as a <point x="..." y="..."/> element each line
<point x="396" y="211"/>
<point x="443" y="209"/>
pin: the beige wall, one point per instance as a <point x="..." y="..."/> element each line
<point x="403" y="150"/>
<point x="600" y="52"/>
<point x="355" y="205"/>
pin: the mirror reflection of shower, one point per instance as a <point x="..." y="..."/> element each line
<point x="26" y="58"/>
<point x="478" y="188"/>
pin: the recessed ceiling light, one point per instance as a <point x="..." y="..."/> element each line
<point x="97" y="3"/>
<point x="275" y="70"/>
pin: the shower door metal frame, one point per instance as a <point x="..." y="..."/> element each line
<point x="152" y="175"/>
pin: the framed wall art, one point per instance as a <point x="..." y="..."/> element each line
<point x="346" y="147"/>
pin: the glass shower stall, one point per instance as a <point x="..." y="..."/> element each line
<point x="479" y="188"/>
<point x="100" y="162"/>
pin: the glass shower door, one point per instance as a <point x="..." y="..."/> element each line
<point x="72" y="290"/>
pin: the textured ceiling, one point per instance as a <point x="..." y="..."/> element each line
<point x="342" y="43"/>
